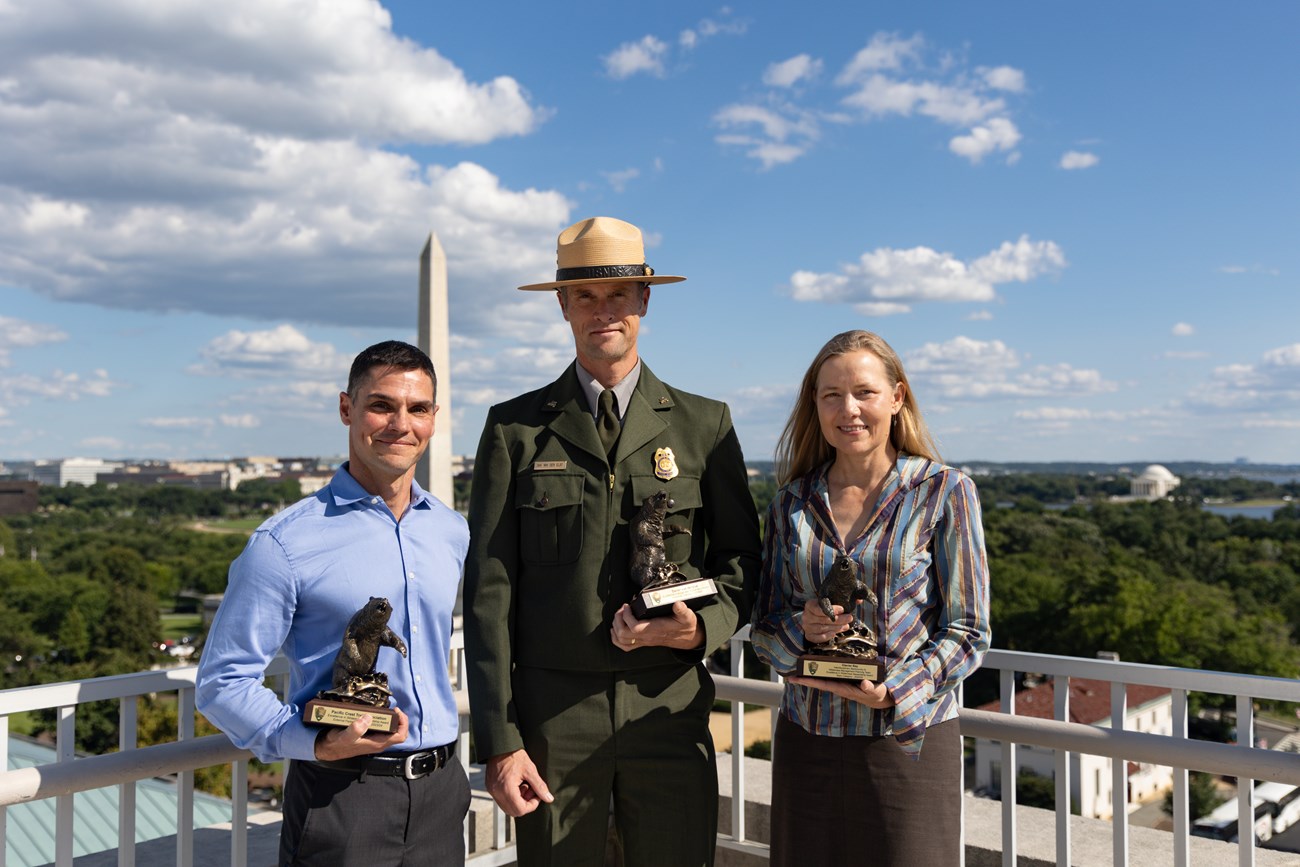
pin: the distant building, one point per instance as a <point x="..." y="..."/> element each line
<point x="18" y="497"/>
<point x="1154" y="483"/>
<point x="1149" y="709"/>
<point x="71" y="471"/>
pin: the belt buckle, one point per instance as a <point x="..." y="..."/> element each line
<point x="408" y="768"/>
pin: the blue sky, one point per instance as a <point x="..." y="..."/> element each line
<point x="1077" y="223"/>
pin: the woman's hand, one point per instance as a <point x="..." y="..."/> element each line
<point x="873" y="695"/>
<point x="817" y="627"/>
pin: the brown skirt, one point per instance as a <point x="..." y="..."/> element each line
<point x="861" y="800"/>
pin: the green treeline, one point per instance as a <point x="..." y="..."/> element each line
<point x="82" y="581"/>
<point x="1163" y="582"/>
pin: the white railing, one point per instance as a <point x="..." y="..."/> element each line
<point x="69" y="775"/>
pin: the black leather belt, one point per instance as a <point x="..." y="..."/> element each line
<point x="412" y="766"/>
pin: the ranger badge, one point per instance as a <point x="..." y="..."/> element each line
<point x="665" y="464"/>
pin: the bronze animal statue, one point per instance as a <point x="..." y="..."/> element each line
<point x="354" y="673"/>
<point x="844" y="587"/>
<point x="650" y="565"/>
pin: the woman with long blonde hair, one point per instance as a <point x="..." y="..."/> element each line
<point x="863" y="489"/>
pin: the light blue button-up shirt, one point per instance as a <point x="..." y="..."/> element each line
<point x="302" y="576"/>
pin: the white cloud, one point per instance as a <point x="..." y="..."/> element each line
<point x="899" y="277"/>
<point x="244" y="420"/>
<point x="784" y="132"/>
<point x="709" y="27"/>
<point x="979" y="316"/>
<point x="790" y="72"/>
<point x="1182" y="329"/>
<point x="1003" y="78"/>
<point x="890" y="77"/>
<point x="508" y="370"/>
<point x="178" y="423"/>
<point x="1249" y="269"/>
<point x="251" y="164"/>
<point x="1269" y="384"/>
<point x="646" y="55"/>
<point x="56" y="386"/>
<point x="619" y="180"/>
<point x="884" y="51"/>
<point x="282" y="68"/>
<point x="20" y="334"/>
<point x="966" y="369"/>
<point x="278" y="352"/>
<point x="1078" y="160"/>
<point x="998" y="134"/>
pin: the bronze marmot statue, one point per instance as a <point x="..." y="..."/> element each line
<point x="367" y="631"/>
<point x="649" y="561"/>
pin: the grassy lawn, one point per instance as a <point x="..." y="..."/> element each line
<point x="21" y="724"/>
<point x="229" y="525"/>
<point x="176" y="625"/>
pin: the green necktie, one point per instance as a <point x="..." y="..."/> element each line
<point x="607" y="424"/>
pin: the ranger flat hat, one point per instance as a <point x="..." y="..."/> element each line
<point x="601" y="250"/>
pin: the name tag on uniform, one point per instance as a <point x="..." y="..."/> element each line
<point x="550" y="465"/>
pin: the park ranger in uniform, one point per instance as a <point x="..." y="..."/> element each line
<point x="577" y="704"/>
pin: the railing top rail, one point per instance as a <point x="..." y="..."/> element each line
<point x="66" y="694"/>
<point x="1194" y="680"/>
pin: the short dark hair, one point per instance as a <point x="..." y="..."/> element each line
<point x="389" y="354"/>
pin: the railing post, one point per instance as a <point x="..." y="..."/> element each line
<point x="128" y="737"/>
<point x="185" y="710"/>
<point x="1246" y="786"/>
<point x="239" y="813"/>
<point x="65" y="746"/>
<point x="738" y="745"/>
<point x="4" y="766"/>
<point x="1061" y="700"/>
<point x="1007" y="687"/>
<point x="1119" y="777"/>
<point x="1182" y="825"/>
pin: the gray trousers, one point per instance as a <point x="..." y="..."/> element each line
<point x="336" y="818"/>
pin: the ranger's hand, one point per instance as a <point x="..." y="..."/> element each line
<point x="681" y="631"/>
<point x="515" y="784"/>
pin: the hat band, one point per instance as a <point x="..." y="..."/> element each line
<point x="603" y="272"/>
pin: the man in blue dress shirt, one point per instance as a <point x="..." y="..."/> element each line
<point x="383" y="798"/>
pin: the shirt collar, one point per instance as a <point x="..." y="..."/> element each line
<point x="346" y="490"/>
<point x="592" y="388"/>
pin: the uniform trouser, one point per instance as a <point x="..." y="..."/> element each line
<point x="862" y="800"/>
<point x="336" y="818"/>
<point x="640" y="737"/>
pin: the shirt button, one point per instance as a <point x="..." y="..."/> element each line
<point x="415" y="628"/>
<point x="418" y="679"/>
<point x="374" y="500"/>
<point x="410" y="575"/>
<point x="425" y="729"/>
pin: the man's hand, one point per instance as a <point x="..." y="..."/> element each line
<point x="514" y="783"/>
<point x="344" y="743"/>
<point x="873" y="695"/>
<point x="681" y="631"/>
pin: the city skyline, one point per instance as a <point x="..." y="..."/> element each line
<point x="1076" y="229"/>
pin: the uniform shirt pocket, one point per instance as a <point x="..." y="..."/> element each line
<point x="684" y="491"/>
<point x="550" y="517"/>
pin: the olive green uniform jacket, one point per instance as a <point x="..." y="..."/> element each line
<point x="549" y="547"/>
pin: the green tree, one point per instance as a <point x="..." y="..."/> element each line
<point x="1202" y="796"/>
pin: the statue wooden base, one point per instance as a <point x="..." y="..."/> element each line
<point x="325" y="712"/>
<point x="658" y="601"/>
<point x="837" y="666"/>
